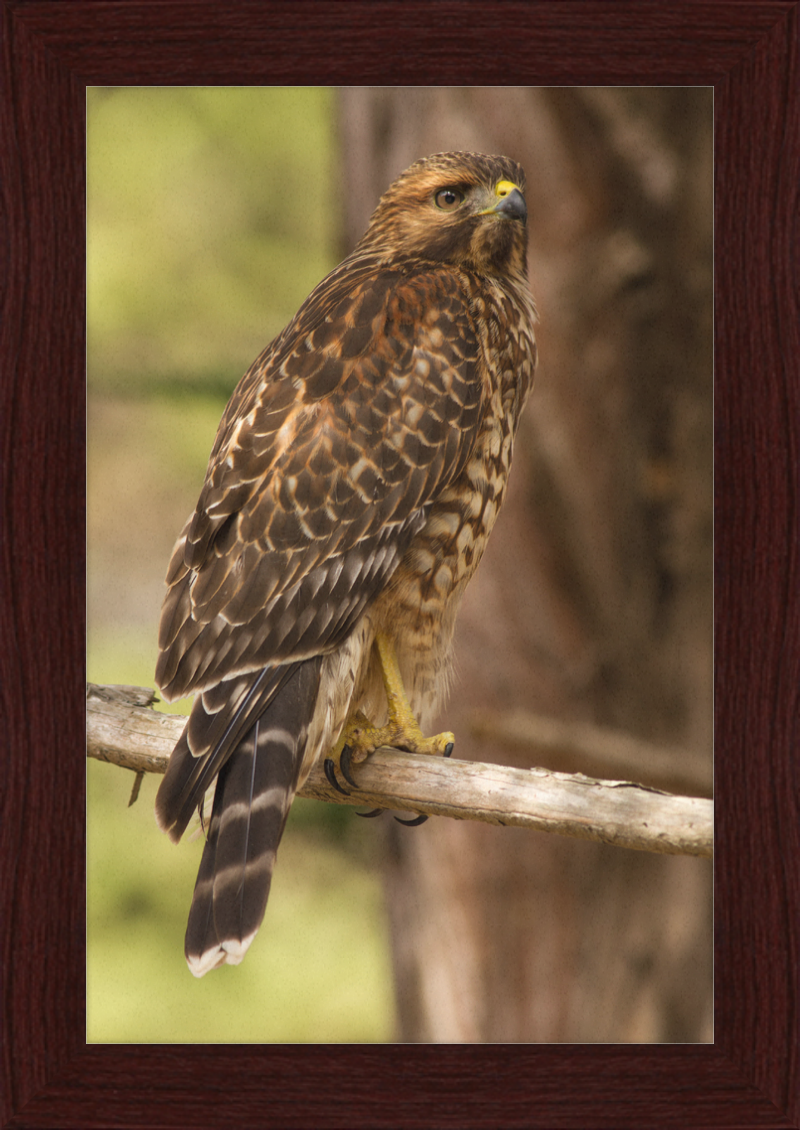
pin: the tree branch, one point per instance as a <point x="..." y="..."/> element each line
<point x="599" y="751"/>
<point x="123" y="730"/>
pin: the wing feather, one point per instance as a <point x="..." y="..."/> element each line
<point x="330" y="451"/>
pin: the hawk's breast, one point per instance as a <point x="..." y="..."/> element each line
<point x="418" y="608"/>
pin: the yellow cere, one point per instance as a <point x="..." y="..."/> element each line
<point x="503" y="188"/>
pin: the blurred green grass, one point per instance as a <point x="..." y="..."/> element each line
<point x="211" y="214"/>
<point x="317" y="972"/>
<point x="211" y="217"/>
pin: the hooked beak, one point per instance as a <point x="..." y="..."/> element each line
<point x="511" y="204"/>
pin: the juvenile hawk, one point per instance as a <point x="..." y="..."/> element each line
<point x="354" y="480"/>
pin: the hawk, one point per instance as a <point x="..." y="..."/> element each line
<point x="354" y="480"/>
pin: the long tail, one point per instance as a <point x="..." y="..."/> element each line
<point x="256" y="784"/>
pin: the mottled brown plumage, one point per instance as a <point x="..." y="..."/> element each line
<point x="355" y="477"/>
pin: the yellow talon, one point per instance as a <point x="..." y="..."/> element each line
<point x="360" y="736"/>
<point x="401" y="730"/>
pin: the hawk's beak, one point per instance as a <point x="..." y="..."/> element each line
<point x="510" y="204"/>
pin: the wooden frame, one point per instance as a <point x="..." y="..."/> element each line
<point x="51" y="51"/>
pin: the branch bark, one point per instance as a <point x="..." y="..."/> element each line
<point x="600" y="751"/>
<point x="123" y="729"/>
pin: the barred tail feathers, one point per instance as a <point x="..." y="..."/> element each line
<point x="255" y="788"/>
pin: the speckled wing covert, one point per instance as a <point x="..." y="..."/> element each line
<point x="328" y="462"/>
<point x="329" y="453"/>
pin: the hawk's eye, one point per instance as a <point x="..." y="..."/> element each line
<point x="448" y="199"/>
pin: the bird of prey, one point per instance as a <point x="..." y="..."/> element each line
<point x="354" y="480"/>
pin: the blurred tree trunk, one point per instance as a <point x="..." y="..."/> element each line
<point x="594" y="598"/>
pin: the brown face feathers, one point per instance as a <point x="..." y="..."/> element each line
<point x="408" y="223"/>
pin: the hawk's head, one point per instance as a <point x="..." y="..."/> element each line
<point x="465" y="209"/>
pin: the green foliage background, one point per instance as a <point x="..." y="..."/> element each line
<point x="212" y="212"/>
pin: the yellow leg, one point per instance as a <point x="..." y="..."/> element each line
<point x="402" y="729"/>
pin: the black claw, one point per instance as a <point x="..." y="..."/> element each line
<point x="344" y="765"/>
<point x="448" y="749"/>
<point x="330" y="773"/>
<point x="372" y="812"/>
<point x="412" y="823"/>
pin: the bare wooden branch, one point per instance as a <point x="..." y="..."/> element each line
<point x="123" y="730"/>
<point x="602" y="752"/>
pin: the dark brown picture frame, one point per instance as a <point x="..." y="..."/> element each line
<point x="53" y="50"/>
